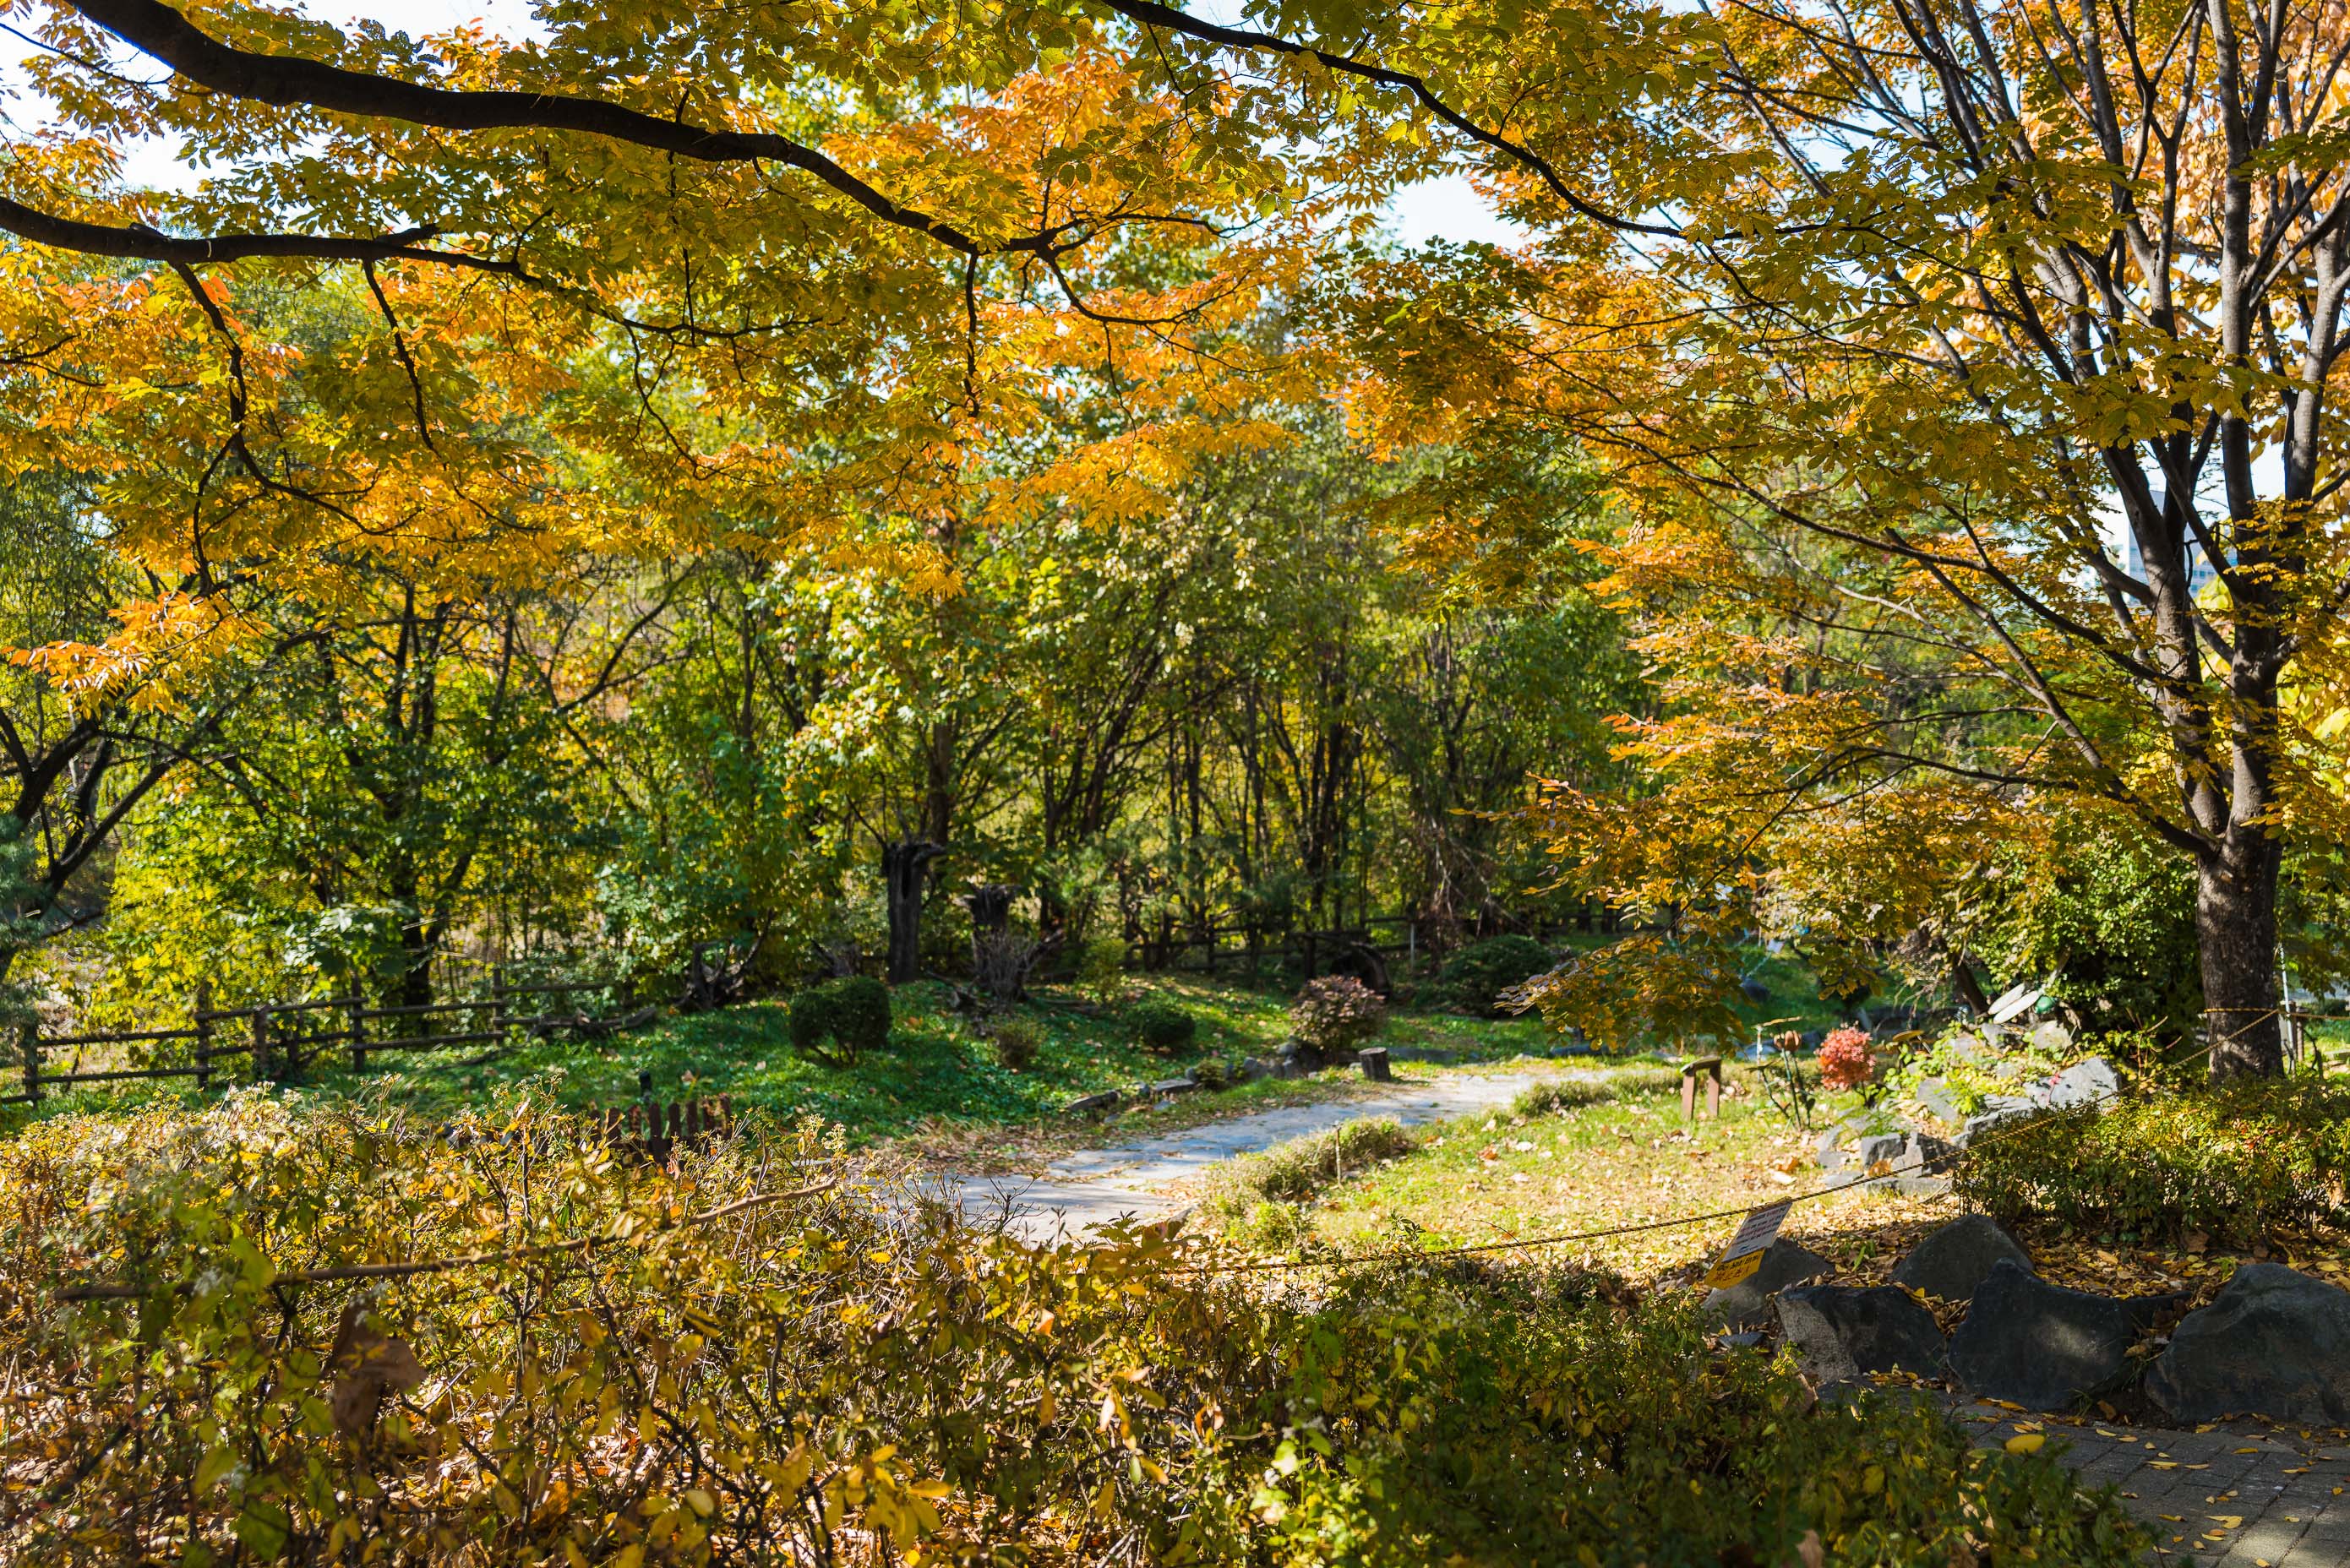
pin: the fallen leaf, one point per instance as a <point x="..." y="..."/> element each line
<point x="2026" y="1442"/>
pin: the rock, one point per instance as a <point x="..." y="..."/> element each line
<point x="1953" y="1262"/>
<point x="1839" y="1333"/>
<point x="2050" y="1036"/>
<point x="1747" y="1303"/>
<point x="1997" y="1108"/>
<point x="1373" y="1060"/>
<point x="1829" y="1150"/>
<point x="1934" y="1095"/>
<point x="1107" y="1100"/>
<point x="2273" y="1341"/>
<point x="1885" y="1148"/>
<point x="1166" y="1086"/>
<point x="1252" y="1068"/>
<point x="2044" y="1347"/>
<point x="2088" y="1080"/>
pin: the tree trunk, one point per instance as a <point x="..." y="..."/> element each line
<point x="2236" y="941"/>
<point x="902" y="865"/>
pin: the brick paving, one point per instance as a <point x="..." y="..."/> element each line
<point x="2243" y="1495"/>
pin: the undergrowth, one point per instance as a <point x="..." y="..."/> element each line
<point x="635" y="1365"/>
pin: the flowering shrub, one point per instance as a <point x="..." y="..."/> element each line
<point x="1847" y="1060"/>
<point x="1335" y="1013"/>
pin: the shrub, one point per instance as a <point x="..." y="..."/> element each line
<point x="1335" y="1013"/>
<point x="1301" y="1167"/>
<point x="1016" y="1040"/>
<point x="1101" y="966"/>
<point x="1552" y="1095"/>
<point x="1461" y="1417"/>
<point x="1163" y="1027"/>
<point x="2230" y="1161"/>
<point x="1479" y="973"/>
<point x="841" y="1020"/>
<point x="1847" y="1060"/>
<point x="1209" y="1073"/>
<point x="871" y="1382"/>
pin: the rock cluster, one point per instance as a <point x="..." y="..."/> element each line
<point x="2274" y="1342"/>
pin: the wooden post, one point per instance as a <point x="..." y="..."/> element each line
<point x="203" y="1036"/>
<point x="29" y="1036"/>
<point x="355" y="1010"/>
<point x="1709" y="1068"/>
<point x="261" y="1046"/>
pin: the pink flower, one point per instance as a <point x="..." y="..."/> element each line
<point x="1847" y="1062"/>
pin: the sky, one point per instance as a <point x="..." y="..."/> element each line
<point x="1446" y="208"/>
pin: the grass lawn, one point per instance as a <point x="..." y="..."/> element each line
<point x="937" y="1077"/>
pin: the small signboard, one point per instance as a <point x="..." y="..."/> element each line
<point x="1744" y="1253"/>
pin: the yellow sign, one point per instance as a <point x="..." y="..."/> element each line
<point x="1744" y="1253"/>
<point x="1729" y="1270"/>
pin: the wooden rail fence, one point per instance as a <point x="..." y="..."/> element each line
<point x="278" y="1039"/>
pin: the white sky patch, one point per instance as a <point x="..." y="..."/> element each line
<point x="1448" y="208"/>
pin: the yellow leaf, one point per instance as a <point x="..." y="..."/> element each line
<point x="2026" y="1442"/>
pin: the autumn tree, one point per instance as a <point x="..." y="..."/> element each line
<point x="1961" y="330"/>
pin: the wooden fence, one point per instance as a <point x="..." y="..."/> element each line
<point x="274" y="1041"/>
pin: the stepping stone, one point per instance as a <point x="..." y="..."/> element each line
<point x="1840" y="1333"/>
<point x="1953" y="1262"/>
<point x="2274" y="1342"/>
<point x="1747" y="1303"/>
<point x="2044" y="1347"/>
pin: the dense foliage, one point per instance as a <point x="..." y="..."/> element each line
<point x="1164" y="1026"/>
<point x="2228" y="1162"/>
<point x="738" y="1380"/>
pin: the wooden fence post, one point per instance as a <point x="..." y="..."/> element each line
<point x="29" y="1036"/>
<point x="203" y="1036"/>
<point x="261" y="1046"/>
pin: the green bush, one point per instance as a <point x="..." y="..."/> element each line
<point x="1478" y="974"/>
<point x="2230" y="1161"/>
<point x="1016" y="1040"/>
<point x="1301" y="1167"/>
<point x="1163" y="1027"/>
<point x="932" y="1387"/>
<point x="838" y="1021"/>
<point x="1552" y="1095"/>
<point x="1465" y="1418"/>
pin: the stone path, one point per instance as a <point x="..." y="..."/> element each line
<point x="1095" y="1185"/>
<point x="2254" y="1496"/>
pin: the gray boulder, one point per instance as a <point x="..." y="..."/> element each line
<point x="2044" y="1347"/>
<point x="1955" y="1260"/>
<point x="1996" y="1109"/>
<point x="1839" y="1333"/>
<point x="2091" y="1080"/>
<point x="1107" y="1100"/>
<point x="2273" y="1341"/>
<point x="1885" y="1148"/>
<point x="1747" y="1303"/>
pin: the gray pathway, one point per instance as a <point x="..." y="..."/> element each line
<point x="1095" y="1185"/>
<point x="2251" y="1498"/>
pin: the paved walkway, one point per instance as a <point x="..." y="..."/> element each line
<point x="2250" y="1498"/>
<point x="1095" y="1185"/>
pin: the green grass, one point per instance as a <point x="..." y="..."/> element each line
<point x="935" y="1071"/>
